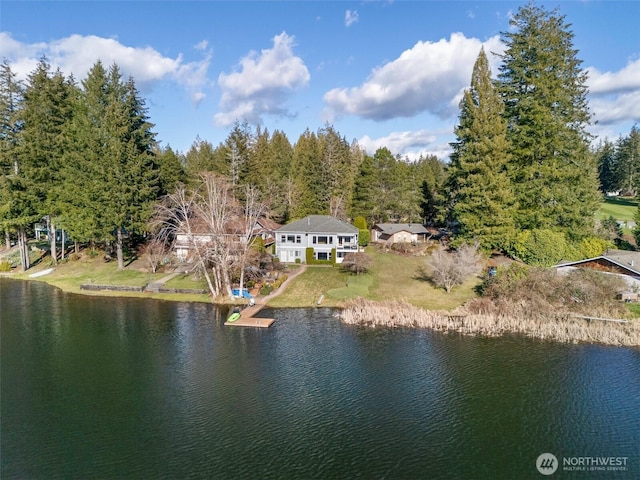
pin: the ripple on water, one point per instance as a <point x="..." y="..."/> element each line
<point x="137" y="388"/>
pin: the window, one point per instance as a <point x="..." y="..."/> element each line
<point x="322" y="240"/>
<point x="290" y="239"/>
<point x="323" y="256"/>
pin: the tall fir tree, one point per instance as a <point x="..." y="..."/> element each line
<point x="11" y="103"/>
<point x="606" y="158"/>
<point x="46" y="114"/>
<point x="83" y="170"/>
<point x="480" y="189"/>
<point x="131" y="173"/>
<point x="306" y="155"/>
<point x="364" y="194"/>
<point x="545" y="94"/>
<point x="627" y="162"/>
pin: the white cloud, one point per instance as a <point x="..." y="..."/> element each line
<point x="350" y="17"/>
<point x="426" y="77"/>
<point x="76" y="54"/>
<point x="625" y="80"/>
<point x="610" y="110"/>
<point x="408" y="144"/>
<point x="614" y="97"/>
<point x="201" y="45"/>
<point x="262" y="84"/>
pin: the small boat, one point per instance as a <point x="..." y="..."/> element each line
<point x="233" y="317"/>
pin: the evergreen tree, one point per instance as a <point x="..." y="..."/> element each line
<point x="83" y="170"/>
<point x="46" y="115"/>
<point x="11" y="97"/>
<point x="238" y="146"/>
<point x="131" y="173"/>
<point x="544" y="90"/>
<point x="202" y="157"/>
<point x="306" y="155"/>
<point x="627" y="162"/>
<point x="605" y="158"/>
<point x="336" y="172"/>
<point x="171" y="169"/>
<point x="365" y="196"/>
<point x="429" y="205"/>
<point x="480" y="187"/>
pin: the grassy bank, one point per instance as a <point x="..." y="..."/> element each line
<point x="620" y="208"/>
<point x="562" y="329"/>
<point x="69" y="275"/>
<point x="391" y="277"/>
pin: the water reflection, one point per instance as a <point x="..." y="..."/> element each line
<point x="131" y="388"/>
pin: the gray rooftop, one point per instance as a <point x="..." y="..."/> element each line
<point x="624" y="258"/>
<point x="392" y="228"/>
<point x="319" y="224"/>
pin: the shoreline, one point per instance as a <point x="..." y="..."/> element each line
<point x="564" y="329"/>
<point x="139" y="292"/>
<point x="394" y="314"/>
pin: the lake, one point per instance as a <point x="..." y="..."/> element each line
<point x="109" y="388"/>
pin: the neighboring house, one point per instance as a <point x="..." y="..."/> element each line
<point x="623" y="263"/>
<point x="264" y="228"/>
<point x="399" y="232"/>
<point x="322" y="233"/>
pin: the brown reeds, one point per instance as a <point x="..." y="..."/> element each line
<point x="561" y="328"/>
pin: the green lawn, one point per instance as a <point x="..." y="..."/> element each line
<point x="392" y="277"/>
<point x="69" y="275"/>
<point x="618" y="207"/>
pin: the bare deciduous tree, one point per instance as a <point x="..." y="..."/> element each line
<point x="357" y="262"/>
<point x="214" y="227"/>
<point x="252" y="210"/>
<point x="156" y="251"/>
<point x="453" y="268"/>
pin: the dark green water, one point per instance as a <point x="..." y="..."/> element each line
<point x="127" y="388"/>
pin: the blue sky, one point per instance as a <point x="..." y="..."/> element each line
<point x="384" y="73"/>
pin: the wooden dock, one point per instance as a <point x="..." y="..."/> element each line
<point x="247" y="318"/>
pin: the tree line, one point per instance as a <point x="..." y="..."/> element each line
<point x="522" y="174"/>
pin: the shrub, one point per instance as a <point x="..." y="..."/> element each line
<point x="364" y="237"/>
<point x="543" y="292"/>
<point x="542" y="247"/>
<point x="266" y="289"/>
<point x="279" y="281"/>
<point x="591" y="247"/>
<point x="5" y="266"/>
<point x="360" y="223"/>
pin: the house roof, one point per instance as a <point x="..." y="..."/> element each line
<point x="268" y="224"/>
<point x="626" y="259"/>
<point x="393" y="228"/>
<point x="319" y="224"/>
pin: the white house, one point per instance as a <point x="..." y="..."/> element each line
<point x="322" y="233"/>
